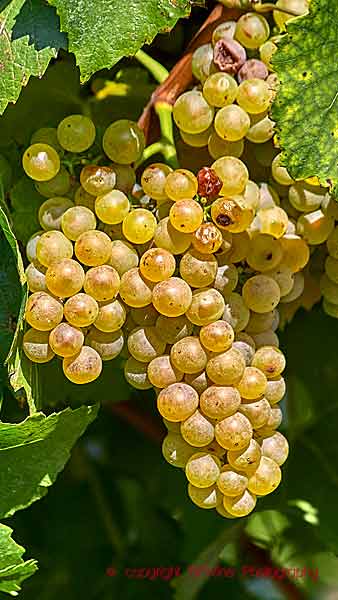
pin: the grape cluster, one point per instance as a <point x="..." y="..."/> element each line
<point x="185" y="275"/>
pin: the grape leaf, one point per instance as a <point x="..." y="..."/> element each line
<point x="25" y="203"/>
<point x="29" y="37"/>
<point x="102" y="32"/>
<point x="13" y="569"/>
<point x="33" y="452"/>
<point x="306" y="107"/>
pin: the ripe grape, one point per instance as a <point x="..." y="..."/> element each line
<point x="296" y="252"/>
<point x="84" y="367"/>
<point x="252" y="69"/>
<point x="197" y="430"/>
<point x="123" y="256"/>
<point x="112" y="207"/>
<point x="232" y="123"/>
<point x="66" y="340"/>
<point x="315" y="227"/>
<point x="239" y="248"/>
<point x="157" y="264"/>
<point x="144" y="344"/>
<point x="247" y="458"/>
<point x="265" y="253"/>
<point x="111" y="316"/>
<point x="172" y="297"/>
<point x="224" y="30"/>
<point x="218" y="402"/>
<point x="107" y="344"/>
<point x="300" y="7"/>
<point x="139" y="226"/>
<point x="252" y="30"/>
<point x="35" y="345"/>
<point x="202" y="469"/>
<point x="188" y="355"/>
<point x="207" y="305"/>
<point x="217" y="336"/>
<point x="226" y="368"/>
<point x="176" y="450"/>
<point x="153" y="180"/>
<point x="177" y="402"/>
<point x="198" y="270"/>
<point x="173" y="329"/>
<point x="266" y="478"/>
<point x="134" y="290"/>
<point x="125" y="177"/>
<point x="51" y="212"/>
<point x="76" y="133"/>
<point x="257" y="411"/>
<point x="231" y="482"/>
<point x="102" y="283"/>
<point x="31" y="248"/>
<point x="220" y="89"/>
<point x="167" y="237"/>
<point x="259" y="322"/>
<point x="123" y="142"/>
<point x="280" y="173"/>
<point x="261" y="128"/>
<point x="36" y="278"/>
<point x="275" y="446"/>
<point x="81" y="310"/>
<point x="198" y="381"/>
<point x="196" y="140"/>
<point x="270" y="360"/>
<point x="192" y="113"/>
<point x="261" y="293"/>
<point x="93" y="248"/>
<point x="230" y="214"/>
<point x="234" y="432"/>
<point x="97" y="180"/>
<point x="253" y="383"/>
<point x="180" y="184"/>
<point x="254" y="96"/>
<point x="135" y="373"/>
<point x="77" y="220"/>
<point x="240" y="506"/>
<point x="206" y="498"/>
<point x="275" y="390"/>
<point x="186" y="215"/>
<point x="43" y="312"/>
<point x="298" y="284"/>
<point x="233" y="174"/>
<point x="65" y="278"/>
<point x="146" y="315"/>
<point x="207" y="238"/>
<point x="202" y="62"/>
<point x="161" y="372"/>
<point x="246" y="345"/>
<point x="52" y="247"/>
<point x="41" y="162"/>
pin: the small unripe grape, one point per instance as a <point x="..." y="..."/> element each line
<point x="233" y="174"/>
<point x="123" y="256"/>
<point x="123" y="142"/>
<point x="36" y="278"/>
<point x="111" y="316"/>
<point x="161" y="372"/>
<point x="253" y="383"/>
<point x="177" y="402"/>
<point x="197" y="430"/>
<point x="266" y="478"/>
<point x="203" y="469"/>
<point x="43" y="312"/>
<point x="246" y="459"/>
<point x="66" y="340"/>
<point x="209" y="497"/>
<point x="234" y="432"/>
<point x="107" y="344"/>
<point x="35" y="345"/>
<point x="252" y="30"/>
<point x="188" y="355"/>
<point x="207" y="238"/>
<point x="157" y="264"/>
<point x="97" y="180"/>
<point x="102" y="283"/>
<point x="154" y="179"/>
<point x="261" y="293"/>
<point x="207" y="305"/>
<point x="169" y="238"/>
<point x="181" y="184"/>
<point x="144" y="344"/>
<point x="231" y="482"/>
<point x="176" y="450"/>
<point x="172" y="297"/>
<point x="81" y="310"/>
<point x="240" y="506"/>
<point x="218" y="402"/>
<point x="83" y="367"/>
<point x="93" y="248"/>
<point x="135" y="373"/>
<point x="186" y="215"/>
<point x="52" y="247"/>
<point x="139" y="226"/>
<point x="112" y="207"/>
<point x="270" y="360"/>
<point x="134" y="290"/>
<point x="217" y="336"/>
<point x="41" y="162"/>
<point x="173" y="329"/>
<point x="226" y="368"/>
<point x="257" y="411"/>
<point x="274" y="446"/>
<point x="51" y="211"/>
<point x="76" y="133"/>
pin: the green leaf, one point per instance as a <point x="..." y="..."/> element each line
<point x="306" y="107"/>
<point x="102" y="32"/>
<point x="33" y="452"/>
<point x="25" y="203"/>
<point x="30" y="37"/>
<point x="13" y="569"/>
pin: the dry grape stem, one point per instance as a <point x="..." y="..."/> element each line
<point x="180" y="77"/>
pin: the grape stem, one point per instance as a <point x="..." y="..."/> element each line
<point x="158" y="71"/>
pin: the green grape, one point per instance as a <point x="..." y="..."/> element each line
<point x="246" y="345"/>
<point x="107" y="344"/>
<point x="266" y="478"/>
<point x="280" y="173"/>
<point x="167" y="237"/>
<point x="270" y="360"/>
<point x="275" y="446"/>
<point x="265" y="253"/>
<point x="198" y="270"/>
<point x="253" y="383"/>
<point x="218" y="402"/>
<point x="217" y="336"/>
<point x="231" y="482"/>
<point x="43" y="312"/>
<point x="173" y="329"/>
<point x="139" y="226"/>
<point x="176" y="451"/>
<point x="285" y="279"/>
<point x="240" y="506"/>
<point x="125" y="177"/>
<point x="298" y="7"/>
<point x="273" y="221"/>
<point x="304" y="197"/>
<point x="161" y="372"/>
<point x="177" y="402"/>
<point x="65" y="278"/>
<point x="186" y="215"/>
<point x="202" y="62"/>
<point x="331" y="268"/>
<point x="81" y="310"/>
<point x="180" y="184"/>
<point x="123" y="257"/>
<point x="93" y="248"/>
<point x="257" y="411"/>
<point x="76" y="133"/>
<point x="226" y="368"/>
<point x="329" y="207"/>
<point x="102" y="283"/>
<point x="233" y="174"/>
<point x="207" y="305"/>
<point x="41" y="162"/>
<point x="220" y="89"/>
<point x="157" y="264"/>
<point x="247" y="458"/>
<point x="66" y="340"/>
<point x="36" y="278"/>
<point x="123" y="142"/>
<point x="97" y="180"/>
<point x="83" y="367"/>
<point x="330" y="308"/>
<point x="296" y="252"/>
<point x="31" y="247"/>
<point x="188" y="355"/>
<point x="146" y="315"/>
<point x="329" y="289"/>
<point x="226" y="279"/>
<point x="261" y="128"/>
<point x="234" y="432"/>
<point x="296" y="290"/>
<point x="172" y="297"/>
<point x="144" y="344"/>
<point x="218" y="147"/>
<point x="111" y="316"/>
<point x="135" y="374"/>
<point x="192" y="113"/>
<point x="232" y="123"/>
<point x="55" y="187"/>
<point x="77" y="220"/>
<point x="134" y="290"/>
<point x="314" y="227"/>
<point x="266" y="52"/>
<point x="252" y="30"/>
<point x="82" y="198"/>
<point x="197" y="430"/>
<point x="207" y="239"/>
<point x="275" y="390"/>
<point x="261" y="293"/>
<point x="236" y="313"/>
<point x="35" y="345"/>
<point x="206" y="498"/>
<point x="231" y="215"/>
<point x="203" y="469"/>
<point x="196" y="140"/>
<point x="153" y="180"/>
<point x="223" y="31"/>
<point x="46" y="135"/>
<point x="254" y="96"/>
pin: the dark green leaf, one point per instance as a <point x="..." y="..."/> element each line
<point x="25" y="203"/>
<point x="13" y="569"/>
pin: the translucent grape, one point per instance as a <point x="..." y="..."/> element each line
<point x="261" y="293"/>
<point x="266" y="478"/>
<point x="198" y="381"/>
<point x="226" y="279"/>
<point x="265" y="253"/>
<point x="240" y="506"/>
<point x="43" y="312"/>
<point x="192" y="113"/>
<point x="220" y="89"/>
<point x="123" y="142"/>
<point x="253" y="383"/>
<point x="270" y="360"/>
<point x="266" y="52"/>
<point x="102" y="283"/>
<point x="83" y="367"/>
<point x="107" y="344"/>
<point x="298" y="7"/>
<point x="266" y="338"/>
<point x="219" y="147"/>
<point x="146" y="315"/>
<point x="51" y="211"/>
<point x="273" y="221"/>
<point x="66" y="340"/>
<point x="35" y="345"/>
<point x="57" y="186"/>
<point x="207" y="238"/>
<point x="219" y="402"/>
<point x="154" y="179"/>
<point x="245" y="459"/>
<point x="123" y="256"/>
<point x="177" y="402"/>
<point x="296" y="290"/>
<point x="236" y="313"/>
<point x="224" y="30"/>
<point x="134" y="290"/>
<point x="197" y="430"/>
<point x="196" y="140"/>
<point x="167" y="237"/>
<point x="157" y="264"/>
<point x="65" y="278"/>
<point x="36" y="278"/>
<point x="81" y="310"/>
<point x="231" y="482"/>
<point x="93" y="248"/>
<point x="232" y="123"/>
<point x="188" y="355"/>
<point x="31" y="247"/>
<point x="296" y="252"/>
<point x="252" y="30"/>
<point x="173" y="329"/>
<point x="207" y="305"/>
<point x="176" y="450"/>
<point x="202" y="469"/>
<point x="259" y="322"/>
<point x="161" y="372"/>
<point x="76" y="133"/>
<point x="254" y="96"/>
<point x="125" y="177"/>
<point x="172" y="297"/>
<point x="315" y="227"/>
<point x="261" y="129"/>
<point x="186" y="215"/>
<point x="144" y="344"/>
<point x="275" y="390"/>
<point x="135" y="373"/>
<point x="233" y="174"/>
<point x="226" y="368"/>
<point x="217" y="336"/>
<point x="97" y="180"/>
<point x="234" y="432"/>
<point x="304" y="197"/>
<point x="202" y="62"/>
<point x="41" y="162"/>
<point x="180" y="184"/>
<point x="139" y="226"/>
<point x="77" y="220"/>
<point x="273" y="421"/>
<point x="205" y="498"/>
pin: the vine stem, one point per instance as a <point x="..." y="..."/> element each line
<point x="158" y="71"/>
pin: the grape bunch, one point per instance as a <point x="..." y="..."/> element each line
<point x="185" y="275"/>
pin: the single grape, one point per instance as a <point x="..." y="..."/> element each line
<point x="280" y="173"/>
<point x="259" y="322"/>
<point x="275" y="390"/>
<point x="134" y="290"/>
<point x="273" y="421"/>
<point x="83" y="367"/>
<point x="261" y="128"/>
<point x="177" y="402"/>
<point x="167" y="237"/>
<point x="305" y="198"/>
<point x="197" y="430"/>
<point x="36" y="278"/>
<point x="111" y="316"/>
<point x="266" y="52"/>
<point x="192" y="113"/>
<point x="180" y="184"/>
<point x="298" y="7"/>
<point x="173" y="329"/>
<point x="265" y="253"/>
<point x="270" y="360"/>
<point x="102" y="283"/>
<point x="196" y="140"/>
<point x="107" y="344"/>
<point x="188" y="355"/>
<point x="144" y="344"/>
<point x="261" y="293"/>
<point x="161" y="372"/>
<point x="219" y="147"/>
<point x="254" y="96"/>
<point x="274" y="446"/>
<point x="218" y="402"/>
<point x="123" y="256"/>
<point x="76" y="133"/>
<point x="226" y="368"/>
<point x="35" y="345"/>
<point x="252" y="30"/>
<point x="135" y="373"/>
<point x="157" y="264"/>
<point x="207" y="305"/>
<point x="246" y="459"/>
<point x="240" y="506"/>
<point x="246" y="345"/>
<point x="266" y="478"/>
<point x="198" y="270"/>
<point x="58" y="186"/>
<point x="224" y="30"/>
<point x="257" y="411"/>
<point x="206" y="498"/>
<point x="176" y="450"/>
<point x="202" y="62"/>
<point x="172" y="297"/>
<point x="147" y="315"/>
<point x="41" y="162"/>
<point x="66" y="340"/>
<point x="239" y="248"/>
<point x="202" y="469"/>
<point x="273" y="221"/>
<point x="231" y="482"/>
<point x="51" y="211"/>
<point x="232" y="123"/>
<point x="31" y="248"/>
<point x="81" y="310"/>
<point x="186" y="215"/>
<point x="253" y="383"/>
<point x="331" y="268"/>
<point x="93" y="248"/>
<point x="217" y="336"/>
<point x="266" y="338"/>
<point x="77" y="220"/>
<point x="315" y="227"/>
<point x="123" y="142"/>
<point x="139" y="226"/>
<point x="234" y="432"/>
<point x="233" y="174"/>
<point x="296" y="252"/>
<point x="230" y="214"/>
<point x="207" y="238"/>
<point x="229" y="55"/>
<point x="236" y="313"/>
<point x="43" y="312"/>
<point x="220" y="89"/>
<point x="198" y="381"/>
<point x="125" y="177"/>
<point x="296" y="290"/>
<point x="65" y="278"/>
<point x="154" y="179"/>
<point x="97" y="180"/>
<point x="252" y="69"/>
